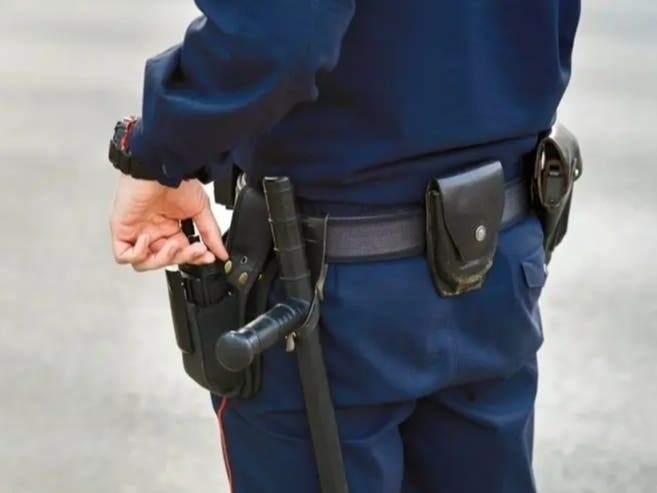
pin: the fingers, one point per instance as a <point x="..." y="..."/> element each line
<point x="175" y="250"/>
<point x="154" y="240"/>
<point x="162" y="230"/>
<point x="126" y="246"/>
<point x="126" y="253"/>
<point x="157" y="245"/>
<point x="207" y="258"/>
<point x="160" y="259"/>
<point x="209" y="231"/>
<point x="162" y="253"/>
<point x="192" y="254"/>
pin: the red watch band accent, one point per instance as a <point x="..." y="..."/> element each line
<point x="129" y="122"/>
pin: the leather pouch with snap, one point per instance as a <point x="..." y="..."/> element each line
<point x="463" y="218"/>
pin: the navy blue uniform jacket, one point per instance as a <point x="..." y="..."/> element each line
<point x="358" y="101"/>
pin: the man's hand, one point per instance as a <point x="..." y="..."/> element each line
<point x="145" y="227"/>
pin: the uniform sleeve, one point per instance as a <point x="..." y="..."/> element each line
<point x="242" y="66"/>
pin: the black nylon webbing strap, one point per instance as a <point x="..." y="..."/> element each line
<point x="401" y="234"/>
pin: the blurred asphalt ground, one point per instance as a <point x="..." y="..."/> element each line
<point x="93" y="396"/>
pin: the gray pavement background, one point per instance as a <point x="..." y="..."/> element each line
<point x="92" y="393"/>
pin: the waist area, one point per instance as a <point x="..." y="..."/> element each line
<point x="344" y="188"/>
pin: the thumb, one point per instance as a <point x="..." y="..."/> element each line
<point x="208" y="229"/>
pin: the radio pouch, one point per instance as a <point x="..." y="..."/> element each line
<point x="463" y="217"/>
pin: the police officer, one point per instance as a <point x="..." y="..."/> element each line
<point x="362" y="103"/>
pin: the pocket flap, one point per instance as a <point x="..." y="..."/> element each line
<point x="473" y="203"/>
<point x="535" y="273"/>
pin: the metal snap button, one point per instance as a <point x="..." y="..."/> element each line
<point x="480" y="233"/>
<point x="243" y="279"/>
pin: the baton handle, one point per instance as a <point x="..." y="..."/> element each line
<point x="235" y="350"/>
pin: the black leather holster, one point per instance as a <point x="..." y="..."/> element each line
<point x="209" y="300"/>
<point x="558" y="165"/>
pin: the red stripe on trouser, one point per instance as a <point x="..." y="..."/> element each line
<point x="224" y="447"/>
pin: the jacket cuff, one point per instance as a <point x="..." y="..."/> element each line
<point x="152" y="159"/>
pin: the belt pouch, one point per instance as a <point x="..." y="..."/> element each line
<point x="210" y="300"/>
<point x="558" y="165"/>
<point x="463" y="217"/>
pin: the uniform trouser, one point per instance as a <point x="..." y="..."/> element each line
<point x="432" y="395"/>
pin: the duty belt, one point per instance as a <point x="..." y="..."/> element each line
<point x="380" y="236"/>
<point x="400" y="234"/>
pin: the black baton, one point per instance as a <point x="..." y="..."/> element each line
<point x="295" y="275"/>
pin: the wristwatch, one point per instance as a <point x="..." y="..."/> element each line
<point x="119" y="150"/>
<point x="122" y="159"/>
